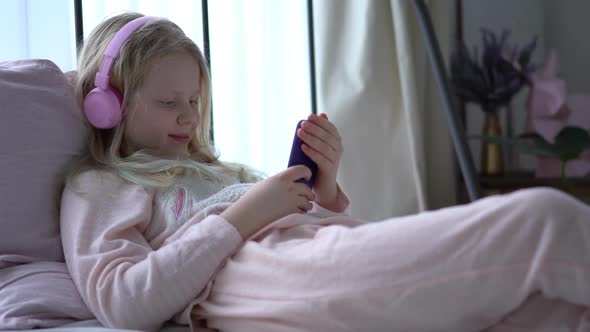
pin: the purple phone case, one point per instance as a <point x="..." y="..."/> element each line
<point x="298" y="157"/>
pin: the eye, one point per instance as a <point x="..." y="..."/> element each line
<point x="169" y="103"/>
<point x="194" y="102"/>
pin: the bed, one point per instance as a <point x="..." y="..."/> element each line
<point x="37" y="104"/>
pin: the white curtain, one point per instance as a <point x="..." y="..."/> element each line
<point x="375" y="82"/>
<point x="187" y="14"/>
<point x="260" y="72"/>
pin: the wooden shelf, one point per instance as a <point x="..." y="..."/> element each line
<point x="528" y="179"/>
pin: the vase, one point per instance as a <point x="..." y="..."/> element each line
<point x="509" y="153"/>
<point x="492" y="156"/>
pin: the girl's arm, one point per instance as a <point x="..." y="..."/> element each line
<point x="125" y="282"/>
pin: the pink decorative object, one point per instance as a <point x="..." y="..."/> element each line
<point x="549" y="109"/>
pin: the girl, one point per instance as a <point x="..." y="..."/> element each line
<point x="155" y="227"/>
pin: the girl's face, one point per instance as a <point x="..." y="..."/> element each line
<point x="163" y="116"/>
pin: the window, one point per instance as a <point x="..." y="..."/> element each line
<point x="259" y="61"/>
<point x="38" y="29"/>
<point x="186" y="13"/>
<point x="260" y="75"/>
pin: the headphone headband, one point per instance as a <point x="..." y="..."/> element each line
<point x="103" y="105"/>
<point x="112" y="51"/>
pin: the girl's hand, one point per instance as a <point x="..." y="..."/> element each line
<point x="322" y="144"/>
<point x="269" y="200"/>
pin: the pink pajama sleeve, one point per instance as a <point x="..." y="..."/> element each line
<point x="124" y="281"/>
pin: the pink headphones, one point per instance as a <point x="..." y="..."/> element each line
<point x="103" y="105"/>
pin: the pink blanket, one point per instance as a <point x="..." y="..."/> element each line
<point x="467" y="268"/>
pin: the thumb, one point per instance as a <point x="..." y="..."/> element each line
<point x="297" y="172"/>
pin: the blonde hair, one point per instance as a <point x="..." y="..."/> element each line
<point x="142" y="49"/>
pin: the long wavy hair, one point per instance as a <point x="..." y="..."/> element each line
<point x="105" y="148"/>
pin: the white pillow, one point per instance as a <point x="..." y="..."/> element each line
<point x="41" y="129"/>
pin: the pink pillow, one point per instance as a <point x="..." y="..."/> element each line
<point x="41" y="130"/>
<point x="39" y="295"/>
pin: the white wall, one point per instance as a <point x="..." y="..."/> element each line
<point x="566" y="30"/>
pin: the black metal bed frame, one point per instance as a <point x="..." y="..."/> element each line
<point x="458" y="137"/>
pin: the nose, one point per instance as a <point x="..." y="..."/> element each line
<point x="188" y="116"/>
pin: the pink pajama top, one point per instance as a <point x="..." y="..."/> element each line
<point x="142" y="257"/>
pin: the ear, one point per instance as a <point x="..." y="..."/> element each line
<point x="551" y="65"/>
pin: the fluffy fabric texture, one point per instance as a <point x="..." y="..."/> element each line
<point x="518" y="262"/>
<point x="139" y="262"/>
<point x="493" y="264"/>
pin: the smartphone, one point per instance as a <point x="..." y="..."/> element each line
<point x="298" y="157"/>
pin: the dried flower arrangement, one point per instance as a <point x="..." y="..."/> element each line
<point x="492" y="81"/>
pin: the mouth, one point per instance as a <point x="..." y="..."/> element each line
<point x="181" y="138"/>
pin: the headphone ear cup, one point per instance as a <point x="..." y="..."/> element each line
<point x="103" y="108"/>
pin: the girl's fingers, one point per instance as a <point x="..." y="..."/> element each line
<point x="311" y="131"/>
<point x="316" y="140"/>
<point x="304" y="205"/>
<point x="326" y="132"/>
<point x="320" y="159"/>
<point x="322" y="141"/>
<point x="324" y="123"/>
<point x="305" y="192"/>
<point x="318" y="145"/>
